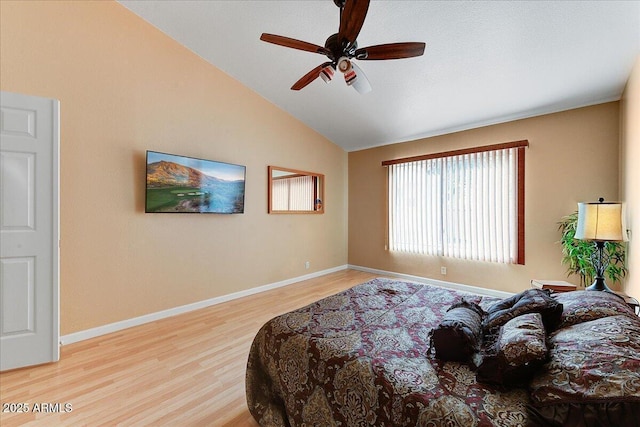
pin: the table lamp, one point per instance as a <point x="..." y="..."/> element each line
<point x="600" y="222"/>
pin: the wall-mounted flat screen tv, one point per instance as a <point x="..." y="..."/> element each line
<point x="178" y="184"/>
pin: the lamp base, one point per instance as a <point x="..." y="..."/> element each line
<point x="599" y="285"/>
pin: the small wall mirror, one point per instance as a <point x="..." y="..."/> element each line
<point x="295" y="191"/>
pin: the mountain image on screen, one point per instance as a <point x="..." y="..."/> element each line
<point x="172" y="187"/>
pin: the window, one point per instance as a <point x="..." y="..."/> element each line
<point x="466" y="204"/>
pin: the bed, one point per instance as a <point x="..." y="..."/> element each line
<point x="366" y="357"/>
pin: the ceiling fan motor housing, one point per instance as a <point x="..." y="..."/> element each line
<point x="339" y="3"/>
<point x="337" y="50"/>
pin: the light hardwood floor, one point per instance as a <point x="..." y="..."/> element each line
<point x="187" y="370"/>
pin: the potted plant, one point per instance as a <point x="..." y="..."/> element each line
<point x="577" y="254"/>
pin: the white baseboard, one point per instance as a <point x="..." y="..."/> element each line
<point x="451" y="285"/>
<point x="151" y="317"/>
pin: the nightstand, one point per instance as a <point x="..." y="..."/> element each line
<point x="631" y="302"/>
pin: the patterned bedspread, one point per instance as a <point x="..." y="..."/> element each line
<point x="360" y="358"/>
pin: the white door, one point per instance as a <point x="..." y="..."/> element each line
<point x="29" y="227"/>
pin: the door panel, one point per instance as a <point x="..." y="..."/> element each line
<point x="29" y="231"/>
<point x="18" y="289"/>
<point x="18" y="181"/>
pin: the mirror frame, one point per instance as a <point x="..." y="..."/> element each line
<point x="319" y="188"/>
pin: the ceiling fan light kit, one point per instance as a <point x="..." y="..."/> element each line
<point x="344" y="65"/>
<point x="341" y="48"/>
<point x="327" y="73"/>
<point x="350" y="77"/>
<point x="360" y="82"/>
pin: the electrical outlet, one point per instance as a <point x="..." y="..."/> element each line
<point x="443" y="270"/>
<point x="307" y="265"/>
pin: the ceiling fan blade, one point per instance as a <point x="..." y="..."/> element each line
<point x="293" y="43"/>
<point x="361" y="83"/>
<point x="390" y="51"/>
<point x="351" y="20"/>
<point x="309" y="77"/>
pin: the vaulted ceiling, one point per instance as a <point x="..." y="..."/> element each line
<point x="485" y="62"/>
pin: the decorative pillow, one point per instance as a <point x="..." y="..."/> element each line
<point x="529" y="301"/>
<point x="592" y="377"/>
<point x="583" y="306"/>
<point x="459" y="334"/>
<point x="516" y="353"/>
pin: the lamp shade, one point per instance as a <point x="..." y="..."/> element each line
<point x="600" y="221"/>
<point x="361" y="84"/>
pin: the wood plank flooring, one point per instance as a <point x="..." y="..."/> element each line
<point x="187" y="370"/>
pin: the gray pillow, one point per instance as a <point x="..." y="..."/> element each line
<point x="515" y="353"/>
<point x="459" y="334"/>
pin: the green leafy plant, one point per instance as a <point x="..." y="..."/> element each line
<point x="578" y="254"/>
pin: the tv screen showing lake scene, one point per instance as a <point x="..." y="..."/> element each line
<point x="186" y="184"/>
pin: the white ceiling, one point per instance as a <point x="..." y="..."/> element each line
<point x="485" y="62"/>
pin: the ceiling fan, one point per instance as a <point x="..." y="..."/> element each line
<point x="341" y="48"/>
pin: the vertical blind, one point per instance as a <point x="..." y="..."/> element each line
<point x="293" y="194"/>
<point x="463" y="206"/>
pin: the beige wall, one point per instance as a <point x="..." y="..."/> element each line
<point x="572" y="157"/>
<point x="630" y="174"/>
<point x="124" y="87"/>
